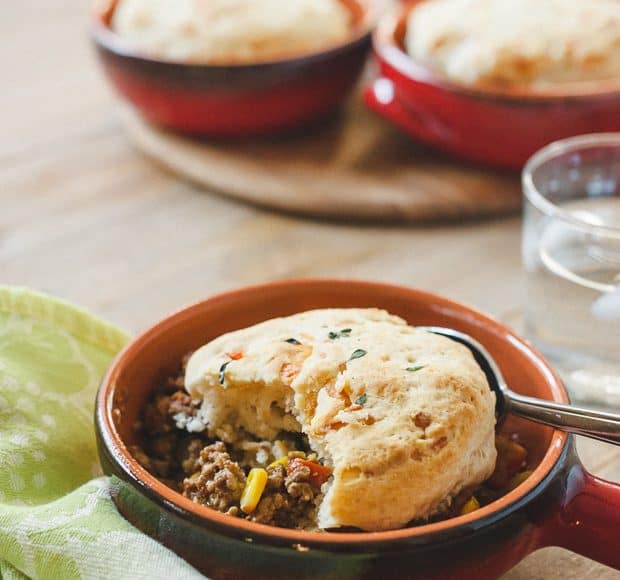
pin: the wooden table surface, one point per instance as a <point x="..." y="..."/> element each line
<point x="85" y="217"/>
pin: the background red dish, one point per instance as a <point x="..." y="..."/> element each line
<point x="502" y="128"/>
<point x="233" y="99"/>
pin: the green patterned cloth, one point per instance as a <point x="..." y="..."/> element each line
<point x="56" y="516"/>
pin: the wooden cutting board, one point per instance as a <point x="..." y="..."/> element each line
<point x="352" y="165"/>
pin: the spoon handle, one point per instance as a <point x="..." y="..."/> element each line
<point x="600" y="425"/>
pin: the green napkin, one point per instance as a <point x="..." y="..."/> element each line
<point x="56" y="516"/>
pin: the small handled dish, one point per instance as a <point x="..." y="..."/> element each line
<point x="237" y="99"/>
<point x="500" y="128"/>
<point x="560" y="504"/>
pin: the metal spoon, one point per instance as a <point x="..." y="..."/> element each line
<point x="588" y="422"/>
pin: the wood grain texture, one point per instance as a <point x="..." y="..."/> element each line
<point x="352" y="165"/>
<point x="84" y="216"/>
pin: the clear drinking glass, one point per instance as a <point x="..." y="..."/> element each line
<point x="571" y="254"/>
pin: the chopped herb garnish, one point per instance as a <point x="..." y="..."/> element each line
<point x="293" y="341"/>
<point x="361" y="400"/>
<point x="415" y="369"/>
<point x="359" y="353"/>
<point x="340" y="334"/>
<point x="223" y="371"/>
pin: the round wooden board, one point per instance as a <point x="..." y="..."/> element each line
<point x="352" y="166"/>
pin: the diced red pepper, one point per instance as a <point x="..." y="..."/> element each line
<point x="235" y="355"/>
<point x="319" y="474"/>
<point x="510" y="458"/>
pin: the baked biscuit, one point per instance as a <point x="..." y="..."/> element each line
<point x="405" y="418"/>
<point x="516" y="42"/>
<point x="231" y="31"/>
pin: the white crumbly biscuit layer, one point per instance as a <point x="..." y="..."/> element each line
<point x="508" y="42"/>
<point x="229" y="31"/>
<point x="405" y="418"/>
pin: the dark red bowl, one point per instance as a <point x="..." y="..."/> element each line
<point x="559" y="504"/>
<point x="501" y="128"/>
<point x="234" y="99"/>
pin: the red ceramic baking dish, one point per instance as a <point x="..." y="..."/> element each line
<point x="233" y="99"/>
<point x="501" y="128"/>
<point x="559" y="504"/>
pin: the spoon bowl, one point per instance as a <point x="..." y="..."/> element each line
<point x="592" y="423"/>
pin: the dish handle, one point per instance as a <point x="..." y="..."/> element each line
<point x="381" y="96"/>
<point x="589" y="519"/>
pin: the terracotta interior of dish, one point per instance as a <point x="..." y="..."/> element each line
<point x="158" y="352"/>
<point x="360" y="11"/>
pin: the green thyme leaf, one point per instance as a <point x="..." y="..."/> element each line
<point x="340" y="334"/>
<point x="361" y="400"/>
<point x="359" y="353"/>
<point x="223" y="371"/>
<point x="415" y="369"/>
<point x="293" y="341"/>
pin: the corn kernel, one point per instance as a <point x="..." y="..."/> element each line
<point x="253" y="490"/>
<point x="282" y="461"/>
<point x="471" y="505"/>
<point x="517" y="480"/>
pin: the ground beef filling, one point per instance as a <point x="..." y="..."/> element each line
<point x="214" y="472"/>
<point x="165" y="450"/>
<point x="288" y="500"/>
<point x="217" y="482"/>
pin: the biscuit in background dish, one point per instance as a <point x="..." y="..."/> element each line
<point x="405" y="418"/>
<point x="516" y="42"/>
<point x="231" y="31"/>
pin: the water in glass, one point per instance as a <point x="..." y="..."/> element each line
<point x="573" y="295"/>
